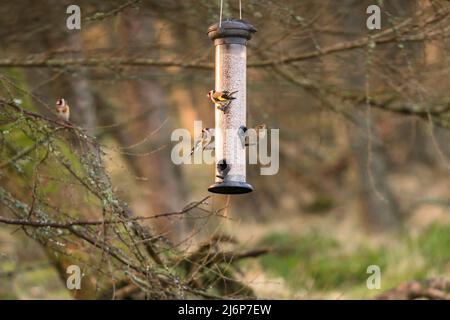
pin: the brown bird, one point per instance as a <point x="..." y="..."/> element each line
<point x="62" y="110"/>
<point x="261" y="130"/>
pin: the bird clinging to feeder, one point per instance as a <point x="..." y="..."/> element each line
<point x="222" y="169"/>
<point x="243" y="134"/>
<point x="222" y="99"/>
<point x="230" y="38"/>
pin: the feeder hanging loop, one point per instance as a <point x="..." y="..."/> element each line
<point x="221" y="12"/>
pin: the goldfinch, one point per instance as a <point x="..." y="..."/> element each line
<point x="221" y="99"/>
<point x="204" y="141"/>
<point x="62" y="110"/>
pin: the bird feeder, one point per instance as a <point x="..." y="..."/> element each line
<point x="230" y="40"/>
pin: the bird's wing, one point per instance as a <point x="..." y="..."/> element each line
<point x="222" y="95"/>
<point x="207" y="140"/>
<point x="229" y="95"/>
<point x="208" y="146"/>
<point x="195" y="147"/>
<point x="242" y="135"/>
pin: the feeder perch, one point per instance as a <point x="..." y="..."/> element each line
<point x="230" y="40"/>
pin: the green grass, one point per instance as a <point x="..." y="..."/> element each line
<point x="319" y="262"/>
<point x="434" y="244"/>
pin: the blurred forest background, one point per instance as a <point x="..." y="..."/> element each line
<point x="364" y="119"/>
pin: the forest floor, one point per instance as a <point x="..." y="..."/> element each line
<point x="313" y="257"/>
<point x="329" y="259"/>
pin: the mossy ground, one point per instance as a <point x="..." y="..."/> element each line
<point x="318" y="263"/>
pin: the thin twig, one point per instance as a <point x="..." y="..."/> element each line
<point x="68" y="225"/>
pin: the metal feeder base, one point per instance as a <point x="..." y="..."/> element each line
<point x="230" y="187"/>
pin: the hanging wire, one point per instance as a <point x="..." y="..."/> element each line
<point x="220" y="15"/>
<point x="240" y="9"/>
<point x="221" y="11"/>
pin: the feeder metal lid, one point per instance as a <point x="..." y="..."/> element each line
<point x="235" y="28"/>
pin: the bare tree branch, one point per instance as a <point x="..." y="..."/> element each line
<point x="68" y="225"/>
<point x="46" y="62"/>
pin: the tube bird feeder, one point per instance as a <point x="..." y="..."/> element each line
<point x="230" y="40"/>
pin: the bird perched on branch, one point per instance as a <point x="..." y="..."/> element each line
<point x="223" y="168"/>
<point x="62" y="110"/>
<point x="243" y="135"/>
<point x="204" y="141"/>
<point x="221" y="98"/>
